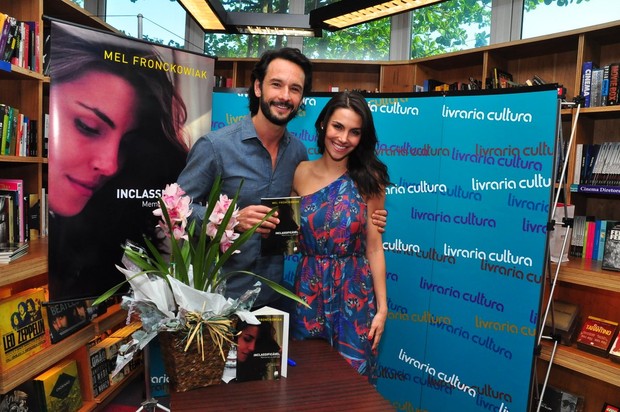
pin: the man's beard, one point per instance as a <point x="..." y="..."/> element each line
<point x="266" y="109"/>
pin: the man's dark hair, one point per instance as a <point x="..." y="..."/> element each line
<point x="260" y="69"/>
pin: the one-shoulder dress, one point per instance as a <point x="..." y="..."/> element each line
<point x="333" y="275"/>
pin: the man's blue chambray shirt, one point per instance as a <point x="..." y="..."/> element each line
<point x="235" y="153"/>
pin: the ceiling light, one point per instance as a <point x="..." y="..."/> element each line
<point x="210" y="15"/>
<point x="347" y="13"/>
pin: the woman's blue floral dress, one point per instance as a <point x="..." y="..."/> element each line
<point x="333" y="275"/>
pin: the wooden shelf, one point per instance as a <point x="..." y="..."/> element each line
<point x="106" y="396"/>
<point x="67" y="10"/>
<point x="583" y="362"/>
<point x="588" y="273"/>
<point x="43" y="360"/>
<point x="33" y="264"/>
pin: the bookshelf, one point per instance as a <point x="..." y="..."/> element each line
<point x="27" y="90"/>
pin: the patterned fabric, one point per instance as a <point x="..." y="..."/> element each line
<point x="333" y="276"/>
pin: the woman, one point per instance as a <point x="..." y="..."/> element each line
<point x="124" y="135"/>
<point x="253" y="343"/>
<point x="342" y="271"/>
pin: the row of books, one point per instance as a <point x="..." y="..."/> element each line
<point x="595" y="334"/>
<point x="432" y="85"/>
<point x="57" y="389"/>
<point x="20" y="42"/>
<point x="596" y="239"/>
<point x="597" y="164"/>
<point x="103" y="353"/>
<point x="599" y="85"/>
<point x="18" y="132"/>
<point x="22" y="214"/>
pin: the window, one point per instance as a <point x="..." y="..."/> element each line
<point x="553" y="16"/>
<point x="450" y="26"/>
<point x="352" y="43"/>
<point x="163" y="20"/>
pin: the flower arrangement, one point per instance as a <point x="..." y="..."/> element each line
<point x="183" y="291"/>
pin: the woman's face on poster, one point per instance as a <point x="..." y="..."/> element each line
<point x="89" y="117"/>
<point x="246" y="342"/>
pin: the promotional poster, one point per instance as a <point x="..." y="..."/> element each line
<point x="465" y="242"/>
<point x="123" y="114"/>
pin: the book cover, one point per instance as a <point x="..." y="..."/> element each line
<point x="560" y="400"/>
<point x="563" y="320"/>
<point x="22" y="326"/>
<point x="614" y="72"/>
<point x="283" y="239"/>
<point x="262" y="350"/>
<point x="586" y="81"/>
<point x="58" y="388"/>
<point x="21" y="399"/>
<point x="596" y="89"/>
<point x="607" y="407"/>
<point x="614" y="351"/>
<point x="602" y="235"/>
<point x="5" y="216"/>
<point x="66" y="318"/>
<point x="596" y="238"/>
<point x="611" y="254"/>
<point x="34" y="215"/>
<point x="605" y="85"/>
<point x="596" y="335"/>
<point x="16" y="188"/>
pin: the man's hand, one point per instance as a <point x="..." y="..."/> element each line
<point x="379" y="219"/>
<point x="251" y="215"/>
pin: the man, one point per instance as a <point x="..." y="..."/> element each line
<point x="259" y="151"/>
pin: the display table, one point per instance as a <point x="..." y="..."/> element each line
<point x="321" y="381"/>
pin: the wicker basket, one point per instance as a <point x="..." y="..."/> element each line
<point x="187" y="370"/>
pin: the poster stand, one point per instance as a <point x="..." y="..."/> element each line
<point x="150" y="404"/>
<point x="566" y="224"/>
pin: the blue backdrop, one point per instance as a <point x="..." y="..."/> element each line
<point x="465" y="243"/>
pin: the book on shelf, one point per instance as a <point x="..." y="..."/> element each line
<point x="586" y="81"/>
<point x="12" y="251"/>
<point x="24" y="397"/>
<point x="501" y="79"/>
<point x="66" y="318"/>
<point x="15" y="188"/>
<point x="576" y="243"/>
<point x="596" y="335"/>
<point x="58" y="388"/>
<point x="563" y="320"/>
<point x="611" y="253"/>
<point x="608" y="407"/>
<point x="283" y="239"/>
<point x="22" y="326"/>
<point x="596" y="88"/>
<point x="614" y="72"/>
<point x="559" y="400"/>
<point x="614" y="351"/>
<point x="269" y="358"/>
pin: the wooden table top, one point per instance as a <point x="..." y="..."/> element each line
<point x="321" y="381"/>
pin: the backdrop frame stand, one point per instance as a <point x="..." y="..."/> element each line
<point x="566" y="225"/>
<point x="150" y="404"/>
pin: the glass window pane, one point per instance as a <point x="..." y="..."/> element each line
<point x="553" y="16"/>
<point x="163" y="20"/>
<point x="352" y="43"/>
<point x="450" y="26"/>
<point x="236" y="45"/>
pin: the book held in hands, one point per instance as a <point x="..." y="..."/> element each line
<point x="283" y="239"/>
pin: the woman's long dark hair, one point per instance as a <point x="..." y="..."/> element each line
<point x="368" y="172"/>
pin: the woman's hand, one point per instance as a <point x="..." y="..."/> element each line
<point x="379" y="219"/>
<point x="376" y="330"/>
